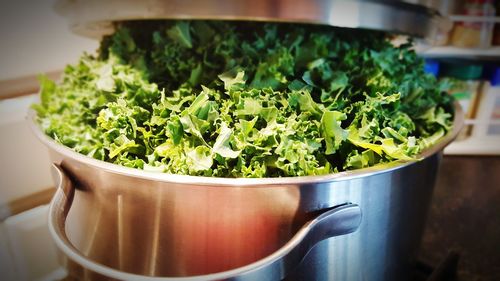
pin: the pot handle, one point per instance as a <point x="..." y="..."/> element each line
<point x="59" y="208"/>
<point x="336" y="221"/>
<point x="61" y="202"/>
<point x="333" y="222"/>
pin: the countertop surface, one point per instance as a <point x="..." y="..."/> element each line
<point x="465" y="217"/>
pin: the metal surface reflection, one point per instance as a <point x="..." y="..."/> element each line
<point x="94" y="18"/>
<point x="215" y="233"/>
<point x="128" y="224"/>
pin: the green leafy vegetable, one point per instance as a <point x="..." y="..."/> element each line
<point x="231" y="99"/>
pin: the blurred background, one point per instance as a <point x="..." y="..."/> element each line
<point x="34" y="40"/>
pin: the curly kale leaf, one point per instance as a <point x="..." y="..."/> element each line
<point x="239" y="99"/>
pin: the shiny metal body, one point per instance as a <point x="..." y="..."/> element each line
<point x="417" y="18"/>
<point x="336" y="221"/>
<point x="120" y="223"/>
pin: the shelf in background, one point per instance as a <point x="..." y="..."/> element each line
<point x="466" y="18"/>
<point x="449" y="51"/>
<point x="474" y="146"/>
<point x="454" y="52"/>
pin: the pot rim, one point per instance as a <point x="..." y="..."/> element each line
<point x="458" y="121"/>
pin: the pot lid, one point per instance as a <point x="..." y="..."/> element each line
<point x="94" y="18"/>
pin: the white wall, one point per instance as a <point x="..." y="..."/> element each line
<point x="24" y="164"/>
<point x="34" y="39"/>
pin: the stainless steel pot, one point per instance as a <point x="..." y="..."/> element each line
<point x="114" y="222"/>
<point x="94" y="18"/>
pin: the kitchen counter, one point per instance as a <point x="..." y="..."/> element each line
<point x="465" y="217"/>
